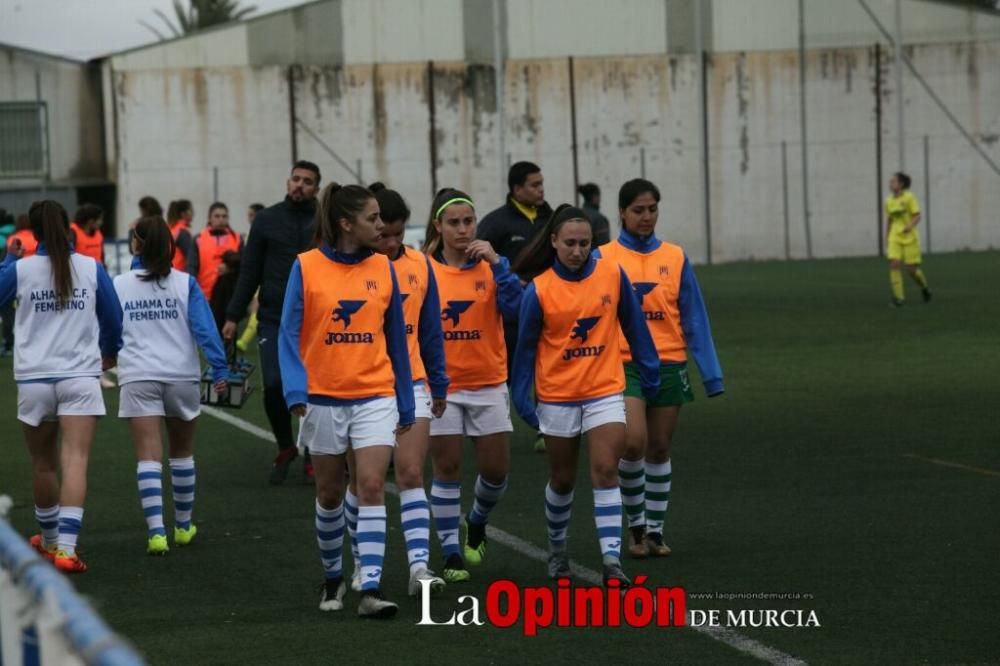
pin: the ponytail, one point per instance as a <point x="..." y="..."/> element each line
<point x="539" y="255"/>
<point x="444" y="198"/>
<point x="338" y="202"/>
<point x="50" y="224"/>
<point x="155" y="247"/>
<point x="175" y="210"/>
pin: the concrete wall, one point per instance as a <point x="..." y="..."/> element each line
<point x="72" y="93"/>
<point x="175" y="127"/>
<point x="551" y="28"/>
<point x="762" y="25"/>
<point x="221" y="48"/>
<point x="350" y="32"/>
<point x="634" y="115"/>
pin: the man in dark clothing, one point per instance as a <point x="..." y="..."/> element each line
<point x="511" y="227"/>
<point x="279" y="234"/>
<point x="591" y="194"/>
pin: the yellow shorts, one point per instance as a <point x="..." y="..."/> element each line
<point x="908" y="252"/>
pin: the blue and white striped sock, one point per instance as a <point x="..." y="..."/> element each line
<point x="182" y="482"/>
<point x="149" y="475"/>
<point x="608" y="518"/>
<point x="70" y="523"/>
<point x="330" y="537"/>
<point x="48" y="523"/>
<point x="415" y="515"/>
<point x="351" y="513"/>
<point x="557" y="512"/>
<point x="446" y="499"/>
<point x="486" y="497"/>
<point x="371" y="545"/>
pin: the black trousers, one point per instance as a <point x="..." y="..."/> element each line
<point x="7" y="314"/>
<point x="274" y="397"/>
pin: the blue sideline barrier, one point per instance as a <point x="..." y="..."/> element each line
<point x="90" y="638"/>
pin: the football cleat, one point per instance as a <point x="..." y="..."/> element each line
<point x="454" y="570"/>
<point x="654" y="540"/>
<point x="356" y="579"/>
<point x="559" y="566"/>
<point x="69" y="562"/>
<point x="183" y="537"/>
<point x="414" y="588"/>
<point x="613" y="571"/>
<point x="637" y="546"/>
<point x="374" y="605"/>
<point x="333" y="590"/>
<point x="48" y="552"/>
<point x="157" y="545"/>
<point x="279" y="469"/>
<point x="474" y="550"/>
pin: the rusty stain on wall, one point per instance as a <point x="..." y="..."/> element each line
<point x="743" y="106"/>
<point x="380" y="120"/>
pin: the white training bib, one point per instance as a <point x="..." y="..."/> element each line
<point x="156" y="331"/>
<point x="56" y="340"/>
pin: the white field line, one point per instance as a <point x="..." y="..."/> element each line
<point x="729" y="637"/>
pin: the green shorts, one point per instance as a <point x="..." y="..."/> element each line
<point x="675" y="387"/>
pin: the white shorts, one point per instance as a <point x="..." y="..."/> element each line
<point x="475" y="412"/>
<point x="332" y="429"/>
<point x="572" y="420"/>
<point x="177" y="400"/>
<point x="422" y="400"/>
<point x="77" y="396"/>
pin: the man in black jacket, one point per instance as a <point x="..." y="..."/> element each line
<point x="511" y="227"/>
<point x="279" y="234"/>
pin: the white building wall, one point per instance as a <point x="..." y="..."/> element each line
<point x="965" y="199"/>
<point x="761" y="25"/>
<point x="226" y="47"/>
<point x="551" y="28"/>
<point x="634" y="115"/>
<point x="176" y="127"/>
<point x="73" y="102"/>
<point x="638" y="117"/>
<point x="393" y="31"/>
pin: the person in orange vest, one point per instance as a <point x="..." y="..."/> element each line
<point x="87" y="239"/>
<point x="86" y="232"/>
<point x="179" y="216"/>
<point x="674" y="310"/>
<point x="210" y="245"/>
<point x="478" y="294"/>
<point x="572" y="314"/>
<point x="21" y="243"/>
<point x="422" y="315"/>
<point x="23" y="235"/>
<point x="345" y="369"/>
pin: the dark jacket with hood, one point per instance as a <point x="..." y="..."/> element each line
<point x="278" y="235"/>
